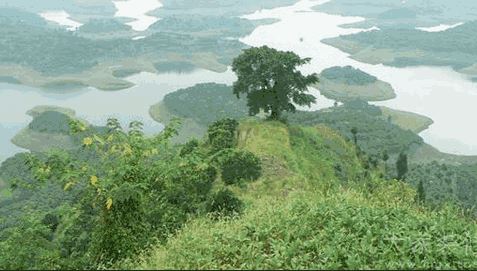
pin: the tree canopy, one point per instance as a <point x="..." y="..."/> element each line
<point x="271" y="80"/>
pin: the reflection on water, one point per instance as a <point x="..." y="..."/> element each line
<point x="138" y="9"/>
<point x="97" y="106"/>
<point x="439" y="28"/>
<point x="8" y="131"/>
<point x="62" y="18"/>
<point x="442" y="94"/>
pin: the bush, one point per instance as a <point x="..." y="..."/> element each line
<point x="221" y="134"/>
<point x="127" y="191"/>
<point x="224" y="203"/>
<point x="343" y="231"/>
<point x="51" y="122"/>
<point x="189" y="147"/>
<point x="237" y="165"/>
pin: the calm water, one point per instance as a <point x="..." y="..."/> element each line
<point x="97" y="106"/>
<point x="137" y="10"/>
<point x="440" y="93"/>
<point x="449" y="98"/>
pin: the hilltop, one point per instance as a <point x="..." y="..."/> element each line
<point x="316" y="206"/>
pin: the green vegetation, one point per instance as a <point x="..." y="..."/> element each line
<point x="454" y="47"/>
<point x="80" y="10"/>
<point x="237" y="166"/>
<point x="152" y="192"/>
<point x="402" y="166"/>
<point x="10" y="15"/>
<point x="271" y="81"/>
<point x="302" y="190"/>
<point x="102" y="51"/>
<point x="221" y="134"/>
<point x="348" y="83"/>
<point x="104" y="29"/>
<point x="305" y="232"/>
<point x="301" y="218"/>
<point x="61" y="56"/>
<point x="49" y="129"/>
<point x="380" y="127"/>
<point x="189" y="105"/>
<point x="348" y="75"/>
<point x="398" y="14"/>
<point x="205" y="25"/>
<point x="375" y="133"/>
<point x="229" y="8"/>
<point x="313" y="190"/>
<point x="443" y="183"/>
<point x="381" y="133"/>
<point x="96" y="26"/>
<point x="407" y="120"/>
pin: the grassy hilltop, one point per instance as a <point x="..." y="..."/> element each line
<point x="313" y="208"/>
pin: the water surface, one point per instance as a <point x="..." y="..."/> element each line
<point x="137" y="10"/>
<point x="449" y="98"/>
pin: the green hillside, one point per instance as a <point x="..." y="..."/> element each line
<point x="238" y="179"/>
<point x="315" y="209"/>
<point x="317" y="203"/>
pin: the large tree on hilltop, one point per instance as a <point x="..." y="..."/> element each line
<point x="271" y="81"/>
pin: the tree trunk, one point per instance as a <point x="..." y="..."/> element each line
<point x="275" y="114"/>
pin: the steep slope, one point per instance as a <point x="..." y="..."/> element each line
<point x="317" y="207"/>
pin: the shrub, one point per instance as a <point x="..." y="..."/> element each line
<point x="51" y="122"/>
<point x="189" y="147"/>
<point x="221" y="134"/>
<point x="224" y="203"/>
<point x="129" y="191"/>
<point x="237" y="165"/>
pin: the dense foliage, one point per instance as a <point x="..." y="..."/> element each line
<point x="198" y="24"/>
<point x="301" y="218"/>
<point x="61" y="52"/>
<point x="375" y="134"/>
<point x="221" y="103"/>
<point x="442" y="183"/>
<point x="271" y="81"/>
<point x="336" y="232"/>
<point x="224" y="203"/>
<point x="51" y="122"/>
<point x="454" y="47"/>
<point x="81" y="213"/>
<point x="402" y="15"/>
<point x="239" y="165"/>
<point x="348" y="75"/>
<point x="103" y="26"/>
<point x="222" y="134"/>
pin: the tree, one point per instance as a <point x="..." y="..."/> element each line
<point x="385" y="156"/>
<point x="221" y="134"/>
<point x="401" y="166"/>
<point x="354" y="131"/>
<point x="271" y="81"/>
<point x="421" y="194"/>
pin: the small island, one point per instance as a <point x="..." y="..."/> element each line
<point x="455" y="47"/>
<point x="49" y="129"/>
<point x="347" y="83"/>
<point x="198" y="107"/>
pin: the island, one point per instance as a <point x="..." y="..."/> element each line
<point x="347" y="84"/>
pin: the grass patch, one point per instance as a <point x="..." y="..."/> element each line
<point x="407" y="120"/>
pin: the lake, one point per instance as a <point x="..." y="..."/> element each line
<point x="97" y="106"/>
<point x="437" y="92"/>
<point x="440" y="93"/>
